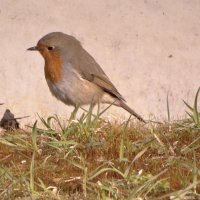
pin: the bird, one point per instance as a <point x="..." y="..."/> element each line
<point x="73" y="75"/>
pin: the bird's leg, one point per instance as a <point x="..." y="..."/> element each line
<point x="92" y="104"/>
<point x="74" y="112"/>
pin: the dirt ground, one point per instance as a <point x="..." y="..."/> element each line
<point x="148" y="49"/>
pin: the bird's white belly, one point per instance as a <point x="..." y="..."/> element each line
<point x="74" y="90"/>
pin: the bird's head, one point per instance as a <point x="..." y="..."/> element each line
<point x="56" y="44"/>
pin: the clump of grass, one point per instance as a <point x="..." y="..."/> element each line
<point x="90" y="158"/>
<point x="193" y="113"/>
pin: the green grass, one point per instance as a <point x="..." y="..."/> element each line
<point x="91" y="158"/>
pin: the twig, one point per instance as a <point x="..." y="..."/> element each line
<point x="18" y="118"/>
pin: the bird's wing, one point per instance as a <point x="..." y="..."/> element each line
<point x="103" y="82"/>
<point x="91" y="71"/>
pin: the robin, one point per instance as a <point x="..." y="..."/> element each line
<point x="73" y="75"/>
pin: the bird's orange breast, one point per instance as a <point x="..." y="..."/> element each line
<point x="53" y="66"/>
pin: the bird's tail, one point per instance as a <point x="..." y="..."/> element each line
<point x="131" y="111"/>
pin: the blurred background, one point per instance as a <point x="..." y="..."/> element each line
<point x="148" y="49"/>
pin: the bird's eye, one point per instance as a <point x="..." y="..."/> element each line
<point x="50" y="48"/>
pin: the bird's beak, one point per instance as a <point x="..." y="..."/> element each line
<point x="33" y="48"/>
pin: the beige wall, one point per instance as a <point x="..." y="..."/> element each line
<point x="132" y="40"/>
